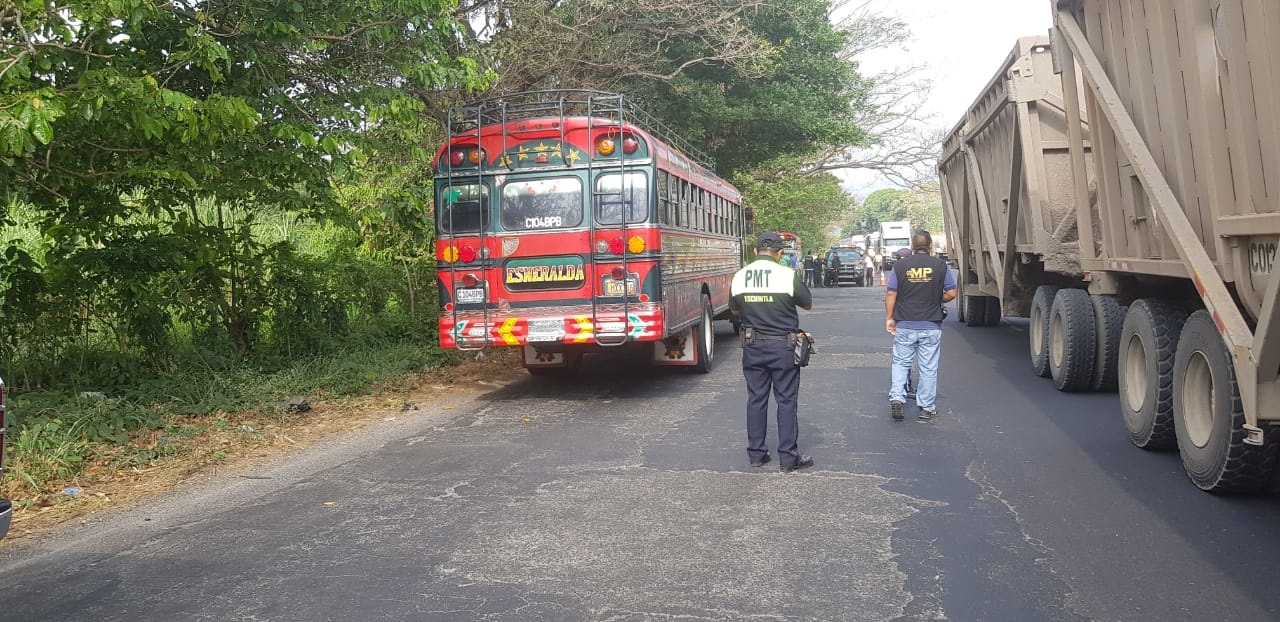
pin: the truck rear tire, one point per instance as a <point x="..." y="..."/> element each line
<point x="1148" y="343"/>
<point x="1038" y="330"/>
<point x="1072" y="340"/>
<point x="1209" y="416"/>
<point x="977" y="310"/>
<point x="992" y="311"/>
<point x="1108" y="315"/>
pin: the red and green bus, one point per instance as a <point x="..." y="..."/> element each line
<point x="570" y="221"/>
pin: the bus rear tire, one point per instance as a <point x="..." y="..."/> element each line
<point x="1209" y="416"/>
<point x="706" y="334"/>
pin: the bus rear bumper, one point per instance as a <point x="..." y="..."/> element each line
<point x="552" y="328"/>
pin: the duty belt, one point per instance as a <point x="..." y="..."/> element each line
<point x="761" y="337"/>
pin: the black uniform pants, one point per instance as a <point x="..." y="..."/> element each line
<point x="771" y="365"/>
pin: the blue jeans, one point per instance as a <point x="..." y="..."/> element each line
<point x="908" y="345"/>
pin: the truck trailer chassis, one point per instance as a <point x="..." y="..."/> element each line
<point x="1119" y="183"/>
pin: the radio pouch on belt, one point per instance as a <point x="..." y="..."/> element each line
<point x="802" y="345"/>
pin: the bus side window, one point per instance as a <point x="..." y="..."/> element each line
<point x="685" y="208"/>
<point x="664" y="199"/>
<point x="704" y="224"/>
<point x="695" y="200"/>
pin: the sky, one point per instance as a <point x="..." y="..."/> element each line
<point x="959" y="44"/>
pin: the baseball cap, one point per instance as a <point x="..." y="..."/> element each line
<point x="903" y="252"/>
<point x="769" y="239"/>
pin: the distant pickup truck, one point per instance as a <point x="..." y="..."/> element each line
<point x="6" y="508"/>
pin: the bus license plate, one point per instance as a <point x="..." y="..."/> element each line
<point x="546" y="330"/>
<point x="469" y="296"/>
<point x="619" y="288"/>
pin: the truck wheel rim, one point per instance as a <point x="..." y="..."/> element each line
<point x="1197" y="399"/>
<point x="1135" y="374"/>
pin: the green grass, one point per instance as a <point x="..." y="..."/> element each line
<point x="55" y="434"/>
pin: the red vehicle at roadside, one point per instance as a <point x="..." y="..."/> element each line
<point x="569" y="221"/>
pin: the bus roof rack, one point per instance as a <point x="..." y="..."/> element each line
<point x="613" y="107"/>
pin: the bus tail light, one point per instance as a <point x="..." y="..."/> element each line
<point x="475" y="155"/>
<point x="615" y="246"/>
<point x="450" y="254"/>
<point x="636" y="245"/>
<point x="467" y="254"/>
<point x="457" y="157"/>
<point x="630" y="145"/>
<point x="606" y="146"/>
<point x="618" y="273"/>
<point x="470" y="280"/>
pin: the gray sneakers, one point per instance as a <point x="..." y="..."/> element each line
<point x="926" y="415"/>
<point x="895" y="410"/>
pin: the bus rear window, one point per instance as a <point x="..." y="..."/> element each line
<point x="542" y="204"/>
<point x="616" y="194"/>
<point x="462" y="209"/>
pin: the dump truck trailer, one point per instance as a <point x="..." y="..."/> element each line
<point x="1118" y="183"/>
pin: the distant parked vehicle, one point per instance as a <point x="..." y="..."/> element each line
<point x="853" y="268"/>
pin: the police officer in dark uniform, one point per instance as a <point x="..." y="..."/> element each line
<point x="764" y="295"/>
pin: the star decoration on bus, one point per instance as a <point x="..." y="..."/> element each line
<point x="505" y="161"/>
<point x="573" y="157"/>
<point x="522" y="153"/>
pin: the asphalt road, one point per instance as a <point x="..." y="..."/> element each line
<point x="624" y="494"/>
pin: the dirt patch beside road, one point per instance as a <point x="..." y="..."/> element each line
<point x="237" y="441"/>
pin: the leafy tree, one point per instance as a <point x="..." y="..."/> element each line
<point x="783" y="201"/>
<point x="114" y="112"/>
<point x="883" y="205"/>
<point x="746" y="80"/>
<point x="924" y="207"/>
<point x="806" y="98"/>
<point x="921" y="206"/>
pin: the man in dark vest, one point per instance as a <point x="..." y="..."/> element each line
<point x="917" y="288"/>
<point x="764" y="295"/>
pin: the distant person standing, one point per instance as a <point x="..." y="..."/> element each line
<point x="918" y="286"/>
<point x="810" y="261"/>
<point x="764" y="296"/>
<point x="833" y="270"/>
